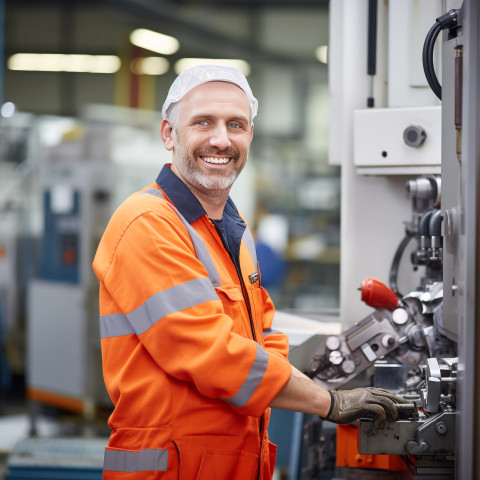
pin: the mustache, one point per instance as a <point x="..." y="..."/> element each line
<point x="228" y="152"/>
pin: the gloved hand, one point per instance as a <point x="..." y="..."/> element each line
<point x="350" y="405"/>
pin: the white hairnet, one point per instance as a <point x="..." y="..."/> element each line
<point x="195" y="76"/>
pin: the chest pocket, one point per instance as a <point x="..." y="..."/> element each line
<point x="234" y="306"/>
<point x="262" y="309"/>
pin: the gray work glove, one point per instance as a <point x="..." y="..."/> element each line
<point x="376" y="403"/>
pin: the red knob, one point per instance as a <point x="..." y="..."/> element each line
<point x="377" y="295"/>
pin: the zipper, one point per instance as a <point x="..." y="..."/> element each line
<point x="247" y="301"/>
<point x="261" y="425"/>
<point x="252" y="328"/>
<point x="178" y="453"/>
<point x="240" y="279"/>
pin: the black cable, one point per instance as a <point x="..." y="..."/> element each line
<point x="427" y="59"/>
<point x="396" y="262"/>
<point x="448" y="20"/>
<point x="437" y="89"/>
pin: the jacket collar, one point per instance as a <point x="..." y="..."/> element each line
<point x="185" y="201"/>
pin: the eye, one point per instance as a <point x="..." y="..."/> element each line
<point x="202" y="122"/>
<point x="234" y="125"/>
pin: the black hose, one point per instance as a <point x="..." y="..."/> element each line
<point x="427" y="58"/>
<point x="396" y="262"/>
<point x="424" y="223"/>
<point x="448" y="20"/>
<point x="435" y="226"/>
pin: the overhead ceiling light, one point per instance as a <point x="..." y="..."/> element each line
<point x="150" y="66"/>
<point x="7" y="109"/>
<point x="321" y="53"/>
<point x="186" y="63"/>
<point x="58" y="62"/>
<point x="154" y="41"/>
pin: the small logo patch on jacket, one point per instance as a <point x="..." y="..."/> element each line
<point x="253" y="277"/>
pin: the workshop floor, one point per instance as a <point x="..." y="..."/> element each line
<point x="13" y="423"/>
<point x="16" y="424"/>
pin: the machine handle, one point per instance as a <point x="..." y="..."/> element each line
<point x="377" y="295"/>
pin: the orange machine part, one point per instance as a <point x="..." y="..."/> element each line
<point x="377" y="295"/>
<point x="348" y="456"/>
<point x="55" y="399"/>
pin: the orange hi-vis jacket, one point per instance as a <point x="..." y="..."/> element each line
<point x="190" y="360"/>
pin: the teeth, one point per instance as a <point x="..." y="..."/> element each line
<point x="217" y="160"/>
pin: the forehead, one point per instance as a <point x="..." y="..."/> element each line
<point x="215" y="97"/>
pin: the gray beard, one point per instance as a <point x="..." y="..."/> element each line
<point x="200" y="180"/>
<point x="207" y="182"/>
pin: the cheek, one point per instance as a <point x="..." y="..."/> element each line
<point x="193" y="142"/>
<point x="183" y="144"/>
<point x="244" y="147"/>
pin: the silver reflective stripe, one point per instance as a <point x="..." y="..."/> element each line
<point x="203" y="254"/>
<point x="148" y="460"/>
<point x="255" y="376"/>
<point x="200" y="248"/>
<point x="250" y="243"/>
<point x="172" y="300"/>
<point x="270" y="331"/>
<point x="155" y="193"/>
<point x="115" y="325"/>
<point x="163" y="303"/>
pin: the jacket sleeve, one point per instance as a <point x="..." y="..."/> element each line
<point x="164" y="294"/>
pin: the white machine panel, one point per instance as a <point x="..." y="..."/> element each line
<point x="56" y="338"/>
<point x="380" y="147"/>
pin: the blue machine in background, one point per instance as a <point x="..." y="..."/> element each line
<point x="61" y="242"/>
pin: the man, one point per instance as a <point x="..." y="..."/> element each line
<point x="189" y="357"/>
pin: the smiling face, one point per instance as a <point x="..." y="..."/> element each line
<point x="211" y="137"/>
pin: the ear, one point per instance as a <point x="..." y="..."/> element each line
<point x="166" y="131"/>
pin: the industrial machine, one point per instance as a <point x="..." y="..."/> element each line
<point x="84" y="171"/>
<point x="404" y="347"/>
<point x="76" y="188"/>
<point x="416" y="338"/>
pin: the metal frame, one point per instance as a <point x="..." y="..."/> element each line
<point x="468" y="447"/>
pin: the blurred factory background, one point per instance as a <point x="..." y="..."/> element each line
<point x="357" y="145"/>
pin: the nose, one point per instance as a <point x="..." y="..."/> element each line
<point x="219" y="137"/>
